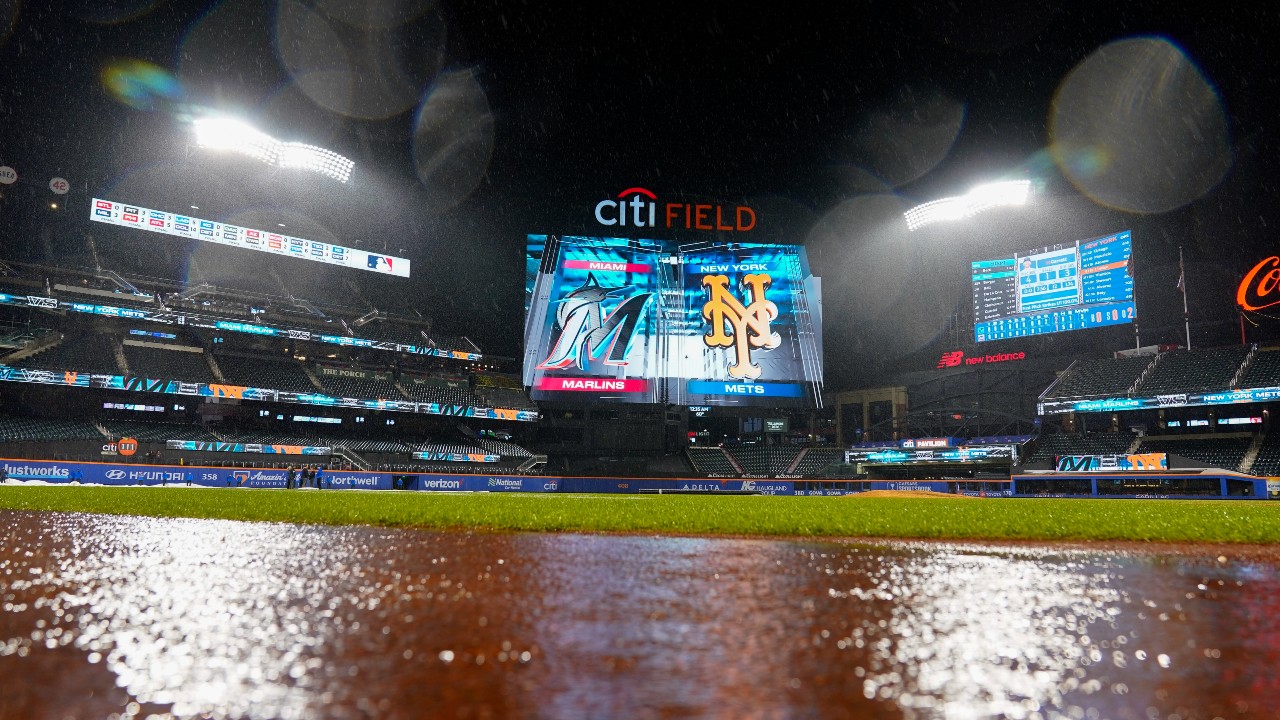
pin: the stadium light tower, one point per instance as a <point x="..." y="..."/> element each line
<point x="231" y="135"/>
<point x="981" y="198"/>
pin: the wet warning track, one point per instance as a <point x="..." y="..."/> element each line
<point x="118" y="616"/>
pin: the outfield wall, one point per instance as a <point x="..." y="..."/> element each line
<point x="1152" y="486"/>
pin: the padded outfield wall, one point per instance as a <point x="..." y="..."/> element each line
<point x="118" y="474"/>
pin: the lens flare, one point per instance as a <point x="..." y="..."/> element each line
<point x="140" y="84"/>
<point x="453" y="138"/>
<point x="1136" y="126"/>
<point x="364" y="70"/>
<point x="904" y="138"/>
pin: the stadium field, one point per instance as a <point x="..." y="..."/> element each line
<point x="911" y="517"/>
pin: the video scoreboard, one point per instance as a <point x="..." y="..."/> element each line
<point x="646" y="321"/>
<point x="1074" y="286"/>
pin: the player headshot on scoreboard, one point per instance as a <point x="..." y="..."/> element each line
<point x="1026" y="271"/>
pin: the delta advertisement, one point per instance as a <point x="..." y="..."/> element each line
<point x="646" y="321"/>
<point x="194" y="228"/>
<point x="70" y="378"/>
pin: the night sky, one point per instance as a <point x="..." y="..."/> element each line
<point x="473" y="124"/>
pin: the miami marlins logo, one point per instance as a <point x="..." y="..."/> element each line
<point x="587" y="334"/>
<point x="748" y="325"/>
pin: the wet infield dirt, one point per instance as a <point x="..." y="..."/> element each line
<point x="110" y="616"/>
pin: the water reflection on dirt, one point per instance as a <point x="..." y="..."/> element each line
<point x="103" y="616"/>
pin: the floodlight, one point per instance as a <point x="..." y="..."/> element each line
<point x="979" y="199"/>
<point x="236" y="136"/>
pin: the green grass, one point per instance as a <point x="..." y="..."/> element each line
<point x="884" y="517"/>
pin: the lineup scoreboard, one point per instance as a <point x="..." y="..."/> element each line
<point x="1085" y="284"/>
<point x="645" y="321"/>
<point x="245" y="238"/>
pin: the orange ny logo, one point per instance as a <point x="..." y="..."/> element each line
<point x="740" y="326"/>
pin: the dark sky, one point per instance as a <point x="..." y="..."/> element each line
<point x="473" y="124"/>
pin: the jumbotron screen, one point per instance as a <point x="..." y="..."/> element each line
<point x="1069" y="286"/>
<point x="646" y="321"/>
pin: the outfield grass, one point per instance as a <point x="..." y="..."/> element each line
<point x="1202" y="521"/>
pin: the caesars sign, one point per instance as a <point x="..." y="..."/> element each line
<point x="637" y="207"/>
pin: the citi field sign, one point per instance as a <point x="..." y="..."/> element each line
<point x="637" y="207"/>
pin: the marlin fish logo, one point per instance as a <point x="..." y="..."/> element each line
<point x="586" y="334"/>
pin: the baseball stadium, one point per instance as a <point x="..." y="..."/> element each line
<point x="428" y="359"/>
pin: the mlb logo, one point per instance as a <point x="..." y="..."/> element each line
<point x="378" y="262"/>
<point x="104" y="204"/>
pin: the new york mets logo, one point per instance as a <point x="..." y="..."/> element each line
<point x="587" y="334"/>
<point x="747" y="325"/>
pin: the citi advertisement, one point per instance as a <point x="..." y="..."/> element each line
<point x="643" y="321"/>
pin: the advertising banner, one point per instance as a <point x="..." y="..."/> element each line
<point x="891" y="456"/>
<point x="456" y="457"/>
<point x="123" y="474"/>
<point x="203" y="446"/>
<point x="70" y="378"/>
<point x="1226" y="397"/>
<point x="244" y="238"/>
<point x="1144" y="462"/>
